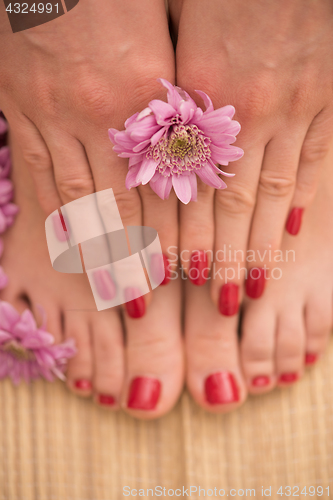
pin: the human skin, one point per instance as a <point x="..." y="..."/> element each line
<point x="274" y="62"/>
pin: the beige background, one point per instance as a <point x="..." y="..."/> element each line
<point x="54" y="446"/>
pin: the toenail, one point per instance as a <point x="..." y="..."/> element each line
<point x="160" y="266"/>
<point x="228" y="303"/>
<point x="105" y="286"/>
<point x="261" y="381"/>
<point x="288" y="378"/>
<point x="221" y="388"/>
<point x="294" y="221"/>
<point x="135" y="307"/>
<point x="198" y="272"/>
<point x="310" y="358"/>
<point x="83" y="384"/>
<point x="106" y="400"/>
<point x="255" y="282"/>
<point x="144" y="393"/>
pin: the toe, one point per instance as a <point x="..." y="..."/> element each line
<point x="290" y="345"/>
<point x="258" y="347"/>
<point x="108" y="354"/>
<point x="154" y="356"/>
<point x="214" y="376"/>
<point x="318" y="324"/>
<point x="80" y="368"/>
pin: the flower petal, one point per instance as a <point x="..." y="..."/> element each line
<point x="147" y="171"/>
<point x="226" y="154"/>
<point x="8" y="316"/>
<point x="162" y="111"/>
<point x="131" y="177"/>
<point x="182" y="187"/>
<point x="207" y="100"/>
<point x="208" y="176"/>
<point x="194" y="186"/>
<point x="174" y="98"/>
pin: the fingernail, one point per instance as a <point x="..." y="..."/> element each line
<point x="136" y="306"/>
<point x="310" y="358"/>
<point x="144" y="393"/>
<point x="221" y="388"/>
<point x="198" y="272"/>
<point x="288" y="378"/>
<point x="255" y="283"/>
<point x="106" y="400"/>
<point x="261" y="381"/>
<point x="294" y="221"/>
<point x="83" y="384"/>
<point x="105" y="286"/>
<point x="60" y="227"/>
<point x="160" y="266"/>
<point x="228" y="303"/>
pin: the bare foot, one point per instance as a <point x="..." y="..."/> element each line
<point x="144" y="374"/>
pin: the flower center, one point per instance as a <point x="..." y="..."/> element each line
<point x="182" y="149"/>
<point x="18" y="351"/>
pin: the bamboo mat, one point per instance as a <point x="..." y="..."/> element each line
<point x="55" y="446"/>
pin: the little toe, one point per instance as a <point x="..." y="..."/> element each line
<point x="318" y="325"/>
<point x="290" y="346"/>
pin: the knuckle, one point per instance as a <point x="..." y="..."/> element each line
<point x="235" y="200"/>
<point x="256" y="100"/>
<point x="314" y="151"/>
<point x="37" y="160"/>
<point x="129" y="206"/>
<point x="275" y="186"/>
<point x="75" y="187"/>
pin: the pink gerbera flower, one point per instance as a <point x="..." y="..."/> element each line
<point x="170" y="143"/>
<point x="27" y="351"/>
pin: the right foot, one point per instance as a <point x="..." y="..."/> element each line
<point x="143" y="375"/>
<point x="282" y="332"/>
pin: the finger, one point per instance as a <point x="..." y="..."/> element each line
<point x="275" y="190"/>
<point x="197" y="234"/>
<point x="314" y="150"/>
<point x="72" y="172"/>
<point x="234" y="207"/>
<point x="162" y="215"/>
<point x="38" y="160"/>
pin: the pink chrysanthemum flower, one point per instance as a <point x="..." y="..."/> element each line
<point x="28" y="352"/>
<point x="7" y="210"/>
<point x="170" y="143"/>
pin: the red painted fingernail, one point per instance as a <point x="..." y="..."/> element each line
<point x="59" y="226"/>
<point x="228" y="303"/>
<point x="160" y="266"/>
<point x="104" y="284"/>
<point x="83" y="384"/>
<point x="106" y="400"/>
<point x="144" y="393"/>
<point x="221" y="388"/>
<point x="310" y="358"/>
<point x="255" y="283"/>
<point x="136" y="306"/>
<point x="261" y="381"/>
<point x="198" y="272"/>
<point x="288" y="378"/>
<point x="294" y="221"/>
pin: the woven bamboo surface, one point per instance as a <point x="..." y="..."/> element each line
<point x="55" y="446"/>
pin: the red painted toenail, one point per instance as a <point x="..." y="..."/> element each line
<point x="294" y="221"/>
<point x="136" y="307"/>
<point x="261" y="381"/>
<point x="144" y="393"/>
<point x="288" y="378"/>
<point x="310" y="358"/>
<point x="83" y="385"/>
<point x="198" y="272"/>
<point x="228" y="303"/>
<point x="106" y="399"/>
<point x="160" y="266"/>
<point x="221" y="388"/>
<point x="255" y="283"/>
